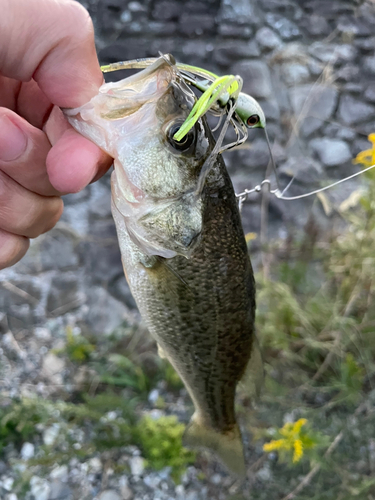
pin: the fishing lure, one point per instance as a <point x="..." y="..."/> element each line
<point x="223" y="96"/>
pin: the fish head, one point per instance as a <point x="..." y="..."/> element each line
<point x="155" y="176"/>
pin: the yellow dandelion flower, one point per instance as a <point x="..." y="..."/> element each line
<point x="298" y="451"/>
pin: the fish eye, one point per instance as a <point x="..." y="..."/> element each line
<point x="253" y="120"/>
<point x="185" y="142"/>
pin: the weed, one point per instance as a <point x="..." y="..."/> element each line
<point x="161" y="442"/>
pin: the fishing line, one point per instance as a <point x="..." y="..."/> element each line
<point x="280" y="194"/>
<point x="216" y="150"/>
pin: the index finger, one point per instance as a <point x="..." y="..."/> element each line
<point x="51" y="41"/>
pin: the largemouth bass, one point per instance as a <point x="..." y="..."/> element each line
<point x="184" y="253"/>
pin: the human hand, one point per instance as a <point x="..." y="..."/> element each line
<point x="47" y="60"/>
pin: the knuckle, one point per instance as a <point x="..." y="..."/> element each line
<point x="44" y="218"/>
<point x="55" y="212"/>
<point x="12" y="249"/>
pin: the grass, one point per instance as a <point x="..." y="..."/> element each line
<point x="317" y="338"/>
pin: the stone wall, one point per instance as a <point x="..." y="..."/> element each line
<point x="311" y="64"/>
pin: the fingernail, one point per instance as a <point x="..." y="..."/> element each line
<point x="13" y="141"/>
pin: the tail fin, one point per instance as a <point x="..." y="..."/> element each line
<point x="227" y="447"/>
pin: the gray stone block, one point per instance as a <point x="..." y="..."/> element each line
<point x="331" y="152"/>
<point x="316" y="103"/>
<point x="352" y="110"/>
<point x="256" y="76"/>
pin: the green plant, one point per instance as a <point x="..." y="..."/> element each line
<point x="161" y="442"/>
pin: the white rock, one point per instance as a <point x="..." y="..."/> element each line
<point x="11" y="496"/>
<point x="52" y="368"/>
<point x="126" y="492"/>
<point x="215" y="479"/>
<point x="60" y="473"/>
<point x="51" y="434"/>
<point x="136" y="466"/>
<point x="153" y="396"/>
<point x="95" y="465"/>
<point x="27" y="451"/>
<point x="40" y="488"/>
<point x="7" y="483"/>
<point x="109" y="495"/>
<point x="42" y="333"/>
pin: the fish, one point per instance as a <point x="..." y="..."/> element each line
<point x="184" y="252"/>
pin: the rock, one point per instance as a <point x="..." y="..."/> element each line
<point x="349" y="73"/>
<point x="316" y="25"/>
<point x="365" y="44"/>
<point x="226" y="53"/>
<point x="3" y="322"/>
<point x="304" y="169"/>
<point x="268" y="39"/>
<point x="109" y="495"/>
<point x="255" y="157"/>
<point x="317" y="104"/>
<point x="153" y="396"/>
<point x="63" y="295"/>
<point x="60" y="491"/>
<point x="234" y="31"/>
<point x="75" y="198"/>
<point x="95" y="465"/>
<point x="100" y="201"/>
<point x="197" y="24"/>
<point x="101" y="253"/>
<point x="52" y="369"/>
<point x="51" y="434"/>
<point x="192" y="495"/>
<point x="369" y="65"/>
<point x="104" y="313"/>
<point x="40" y="488"/>
<point x="152" y="481"/>
<point x="215" y="479"/>
<point x="238" y="12"/>
<point x="286" y="28"/>
<point x="294" y="73"/>
<point x="330" y="10"/>
<point x="27" y="451"/>
<point x="352" y="110"/>
<point x="120" y="289"/>
<point x="166" y="11"/>
<point x="332" y="53"/>
<point x="54" y="250"/>
<point x="271" y="110"/>
<point x="370" y="93"/>
<point x="256" y="77"/>
<point x="6" y="482"/>
<point x="136" y="465"/>
<point x="60" y="473"/>
<point x="11" y="496"/>
<point x="331" y="152"/>
<point x="19" y="299"/>
<point x="125" y="490"/>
